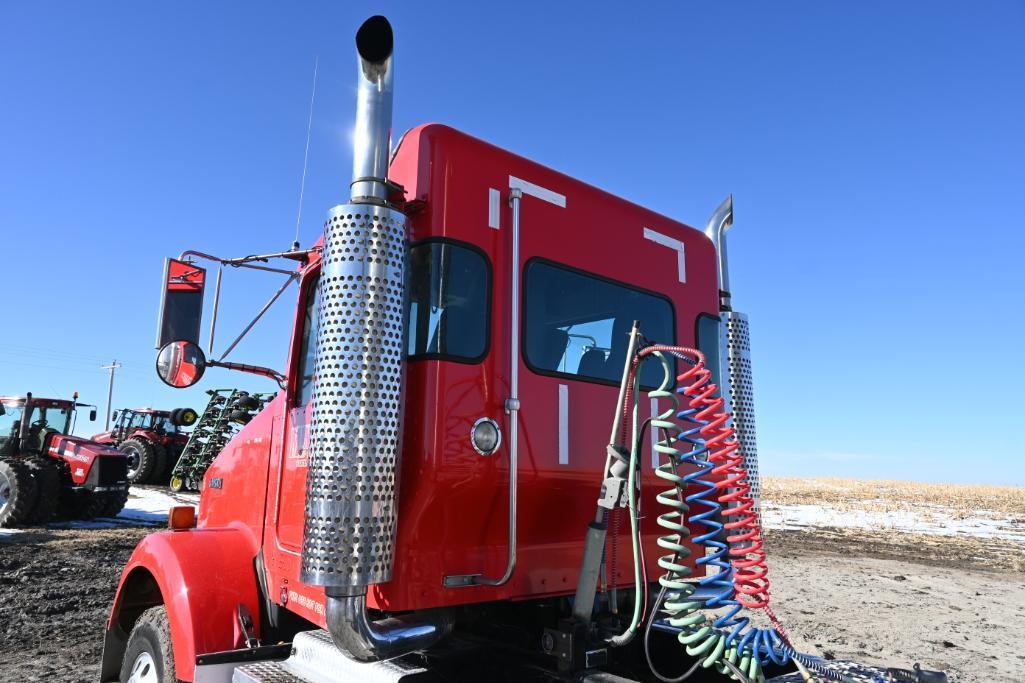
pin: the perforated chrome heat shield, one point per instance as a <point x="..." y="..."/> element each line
<point x="741" y="393"/>
<point x="351" y="504"/>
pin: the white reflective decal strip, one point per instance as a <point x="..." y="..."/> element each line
<point x="563" y="424"/>
<point x="537" y="191"/>
<point x="494" y="208"/>
<point x="654" y="434"/>
<point x="674" y="244"/>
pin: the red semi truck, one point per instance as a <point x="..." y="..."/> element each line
<point x="419" y="500"/>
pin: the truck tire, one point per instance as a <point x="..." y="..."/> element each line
<point x="17" y="493"/>
<point x="48" y="485"/>
<point x="113" y="502"/>
<point x="142" y="460"/>
<point x="148" y="657"/>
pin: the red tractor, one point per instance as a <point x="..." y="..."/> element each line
<point x="434" y="493"/>
<point x="46" y="472"/>
<point x="152" y="440"/>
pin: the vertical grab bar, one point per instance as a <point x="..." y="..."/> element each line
<point x="512" y="404"/>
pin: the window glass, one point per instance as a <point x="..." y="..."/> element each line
<point x="448" y="310"/>
<point x="51" y="417"/>
<point x="10" y="424"/>
<point x="308" y="345"/>
<point x="708" y="344"/>
<point x="579" y="324"/>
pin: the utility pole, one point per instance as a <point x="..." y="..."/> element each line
<point x="110" y="391"/>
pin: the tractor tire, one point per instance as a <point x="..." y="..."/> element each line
<point x="161" y="469"/>
<point x="80" y="505"/>
<point x="142" y="463"/>
<point x="149" y="656"/>
<point x="184" y="417"/>
<point x="17" y="493"/>
<point x="48" y="486"/>
<point x="113" y="502"/>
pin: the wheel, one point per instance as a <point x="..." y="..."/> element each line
<point x="248" y="402"/>
<point x="177" y="483"/>
<point x="90" y="505"/>
<point x="142" y="460"/>
<point x="184" y="417"/>
<point x="148" y="657"/>
<point x="113" y="502"/>
<point x="17" y="493"/>
<point x="162" y="468"/>
<point x="48" y="485"/>
<point x="240" y="416"/>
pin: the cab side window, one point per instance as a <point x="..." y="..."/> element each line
<point x="308" y="345"/>
<point x="448" y="313"/>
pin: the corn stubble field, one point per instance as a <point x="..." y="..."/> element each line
<point x="892" y="573"/>
<point x="888" y="573"/>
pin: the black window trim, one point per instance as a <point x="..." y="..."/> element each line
<point x="722" y="362"/>
<point x="487" y="297"/>
<point x="308" y="281"/>
<point x="619" y="283"/>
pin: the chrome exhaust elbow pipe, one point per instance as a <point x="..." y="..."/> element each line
<point x="370" y="641"/>
<point x="372" y="140"/>
<point x="718" y="224"/>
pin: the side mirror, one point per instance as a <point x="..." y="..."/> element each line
<point x="92" y="415"/>
<point x="181" y="307"/>
<point x="113" y="417"/>
<point x="3" y="411"/>
<point x="180" y="364"/>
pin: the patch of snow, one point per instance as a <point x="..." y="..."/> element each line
<point x="938" y="522"/>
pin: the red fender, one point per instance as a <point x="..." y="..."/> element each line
<point x="202" y="576"/>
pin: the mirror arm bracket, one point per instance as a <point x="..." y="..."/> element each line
<point x="252" y="369"/>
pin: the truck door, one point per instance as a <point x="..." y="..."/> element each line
<point x="289" y="506"/>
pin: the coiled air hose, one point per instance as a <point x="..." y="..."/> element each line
<point x="728" y="642"/>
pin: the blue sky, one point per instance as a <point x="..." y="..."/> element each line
<point x="876" y="152"/>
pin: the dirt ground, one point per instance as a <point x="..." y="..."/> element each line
<point x="56" y="587"/>
<point x="841" y="594"/>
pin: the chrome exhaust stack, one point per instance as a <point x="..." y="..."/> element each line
<point x="352" y="481"/>
<point x="735" y="381"/>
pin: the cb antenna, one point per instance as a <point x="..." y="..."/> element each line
<point x="306" y="156"/>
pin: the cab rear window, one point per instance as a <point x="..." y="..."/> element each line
<point x="577" y="324"/>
